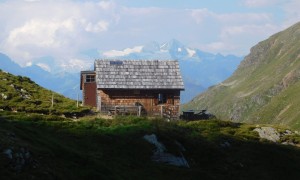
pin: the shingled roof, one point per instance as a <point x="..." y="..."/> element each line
<point x="138" y="74"/>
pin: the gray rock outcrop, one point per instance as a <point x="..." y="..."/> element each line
<point x="160" y="154"/>
<point x="268" y="133"/>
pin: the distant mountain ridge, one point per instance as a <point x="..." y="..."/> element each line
<point x="66" y="84"/>
<point x="199" y="69"/>
<point x="266" y="86"/>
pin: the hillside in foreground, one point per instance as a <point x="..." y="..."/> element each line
<point x="37" y="146"/>
<point x="264" y="89"/>
<point x="19" y="93"/>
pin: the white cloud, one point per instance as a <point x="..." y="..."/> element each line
<point x="259" y="3"/>
<point x="234" y="33"/>
<point x="32" y="0"/>
<point x="59" y="29"/>
<point x="233" y="38"/>
<point x="250" y="30"/>
<point x="74" y="64"/>
<point x="242" y="18"/>
<point x="39" y="33"/>
<point x="127" y="51"/>
<point x="200" y="14"/>
<point x="106" y="5"/>
<point x="98" y="27"/>
<point x="67" y="28"/>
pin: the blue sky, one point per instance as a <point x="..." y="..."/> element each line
<point x="63" y="30"/>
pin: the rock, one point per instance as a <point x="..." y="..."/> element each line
<point x="4" y="96"/>
<point x="288" y="143"/>
<point x="225" y="144"/>
<point x="153" y="140"/>
<point x="9" y="153"/>
<point x="19" y="158"/>
<point x="268" y="133"/>
<point x="288" y="132"/>
<point x="161" y="156"/>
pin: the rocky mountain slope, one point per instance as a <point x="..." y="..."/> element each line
<point x="264" y="89"/>
<point x="19" y="93"/>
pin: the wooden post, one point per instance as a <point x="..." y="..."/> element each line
<point x="161" y="111"/>
<point x="115" y="110"/>
<point x="52" y="100"/>
<point x="140" y="109"/>
<point x="77" y="100"/>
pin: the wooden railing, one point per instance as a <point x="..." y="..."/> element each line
<point x="122" y="109"/>
<point x="169" y="112"/>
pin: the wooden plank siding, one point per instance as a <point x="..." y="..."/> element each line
<point x="147" y="98"/>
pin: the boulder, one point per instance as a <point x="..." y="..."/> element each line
<point x="268" y="133"/>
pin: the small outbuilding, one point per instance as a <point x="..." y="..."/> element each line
<point x="133" y="86"/>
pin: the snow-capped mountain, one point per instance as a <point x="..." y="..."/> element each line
<point x="199" y="69"/>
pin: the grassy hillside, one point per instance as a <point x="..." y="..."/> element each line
<point x="93" y="148"/>
<point x="18" y="93"/>
<point x="264" y="89"/>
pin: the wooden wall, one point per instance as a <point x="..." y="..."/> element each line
<point x="89" y="94"/>
<point x="148" y="98"/>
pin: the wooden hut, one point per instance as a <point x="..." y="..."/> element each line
<point x="123" y="86"/>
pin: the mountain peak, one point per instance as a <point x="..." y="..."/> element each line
<point x="171" y="45"/>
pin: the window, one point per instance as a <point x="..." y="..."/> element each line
<point x="90" y="78"/>
<point x="162" y="98"/>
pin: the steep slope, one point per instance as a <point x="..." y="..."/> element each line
<point x="20" y="93"/>
<point x="266" y="86"/>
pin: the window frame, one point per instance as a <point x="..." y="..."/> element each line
<point x="162" y="98"/>
<point x="90" y="78"/>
